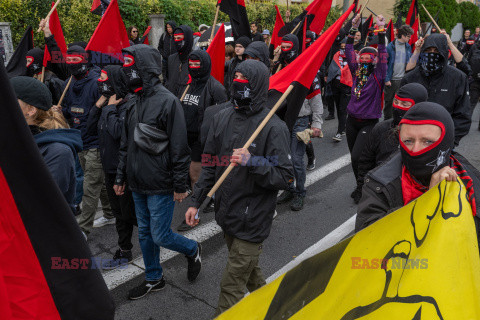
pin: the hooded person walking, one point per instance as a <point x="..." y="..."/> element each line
<point x="166" y="45"/>
<point x="241" y="44"/>
<point x="177" y="71"/>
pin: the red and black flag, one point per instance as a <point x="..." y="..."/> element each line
<point x="390" y="31"/>
<point x="399" y="21"/>
<point x="301" y="73"/>
<point x="17" y="65"/>
<point x="317" y="13"/>
<point x="356" y="9"/>
<point x="412" y="21"/>
<point x="216" y="50"/>
<point x="46" y="267"/>
<point x="276" y="39"/>
<point x="99" y="6"/>
<point x="110" y="36"/>
<point x="144" y="38"/>
<point x="238" y="17"/>
<point x="56" y="29"/>
<point x="365" y="28"/>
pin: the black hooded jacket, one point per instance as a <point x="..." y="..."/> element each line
<point x="177" y="72"/>
<point x="166" y="45"/>
<point x="245" y="202"/>
<point x="155" y="106"/>
<point x="448" y="87"/>
<point x="108" y="122"/>
<point x="258" y="50"/>
<point x="204" y="91"/>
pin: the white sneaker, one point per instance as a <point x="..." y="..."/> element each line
<point x="102" y="221"/>
<point x="85" y="235"/>
<point x="337" y="137"/>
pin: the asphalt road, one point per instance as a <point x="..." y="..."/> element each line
<point x="327" y="206"/>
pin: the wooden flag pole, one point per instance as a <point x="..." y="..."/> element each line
<point x="184" y="93"/>
<point x="50" y="13"/>
<point x="65" y="91"/>
<point x="431" y="18"/>
<point x="42" y="76"/>
<point x="279" y="67"/>
<point x="288" y="6"/>
<point x="249" y="142"/>
<point x="214" y="23"/>
<point x="420" y="33"/>
<point x="364" y="6"/>
<point x="298" y="26"/>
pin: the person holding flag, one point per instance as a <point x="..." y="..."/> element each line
<point x="365" y="106"/>
<point x="245" y="203"/>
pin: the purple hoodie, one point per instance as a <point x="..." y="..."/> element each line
<point x="369" y="106"/>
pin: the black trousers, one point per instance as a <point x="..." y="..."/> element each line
<point x="341" y="96"/>
<point x="358" y="131"/>
<point x="123" y="209"/>
<point x="474" y="95"/>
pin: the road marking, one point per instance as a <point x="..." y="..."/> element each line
<point x="116" y="277"/>
<point x="328" y="241"/>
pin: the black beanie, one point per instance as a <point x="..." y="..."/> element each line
<point x="244" y="41"/>
<point x="36" y="54"/>
<point x="32" y="91"/>
<point x="424" y="163"/>
<point x="369" y="50"/>
<point x="76" y="49"/>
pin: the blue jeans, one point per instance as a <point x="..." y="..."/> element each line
<point x="154" y="217"/>
<point x="297" y="148"/>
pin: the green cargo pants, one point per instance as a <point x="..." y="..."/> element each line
<point x="242" y="272"/>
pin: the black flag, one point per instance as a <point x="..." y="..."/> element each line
<point x="238" y="17"/>
<point x="17" y="66"/>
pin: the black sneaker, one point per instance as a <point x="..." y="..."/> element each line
<point x="311" y="164"/>
<point x="120" y="258"/>
<point x="330" y="117"/>
<point x="357" y="197"/>
<point x="210" y="207"/>
<point x="285" y="197"/>
<point x="194" y="264"/>
<point x="297" y="203"/>
<point x="185" y="227"/>
<point x="145" y="288"/>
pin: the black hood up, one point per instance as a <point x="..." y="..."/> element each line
<point x="259" y="50"/>
<point x="205" y="63"/>
<point x="148" y="61"/>
<point x="293" y="38"/>
<point x="117" y="79"/>
<point x="172" y="24"/>
<point x="438" y="41"/>
<point x="257" y="75"/>
<point x="188" y="34"/>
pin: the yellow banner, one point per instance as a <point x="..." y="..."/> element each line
<point x="419" y="262"/>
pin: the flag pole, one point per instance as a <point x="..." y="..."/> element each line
<point x="279" y="67"/>
<point x="298" y="26"/>
<point x="42" y="77"/>
<point x="65" y="91"/>
<point x="364" y="6"/>
<point x="420" y="33"/>
<point x="214" y="23"/>
<point x="253" y="137"/>
<point x="184" y="93"/>
<point x="288" y="18"/>
<point x="431" y="19"/>
<point x="50" y="13"/>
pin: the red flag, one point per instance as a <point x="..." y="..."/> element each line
<point x="99" y="6"/>
<point x="145" y="35"/>
<point x="216" y="50"/>
<point x="390" y="31"/>
<point x="110" y="36"/>
<point x="304" y="36"/>
<point x="56" y="29"/>
<point x="319" y="9"/>
<point x="276" y="40"/>
<point x="412" y="21"/>
<point x="302" y="71"/>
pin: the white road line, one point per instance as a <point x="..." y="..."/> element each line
<point x="118" y="276"/>
<point x="328" y="241"/>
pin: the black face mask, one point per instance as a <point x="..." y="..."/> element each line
<point x="134" y="82"/>
<point x="195" y="72"/>
<point x="179" y="44"/>
<point x="397" y="115"/>
<point x="121" y="88"/>
<point x="431" y="62"/>
<point x="241" y="94"/>
<point x="34" y="68"/>
<point x="78" y="70"/>
<point x="105" y="88"/>
<point x="288" y="56"/>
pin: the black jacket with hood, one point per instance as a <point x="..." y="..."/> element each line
<point x="448" y="87"/>
<point x="245" y="202"/>
<point x="156" y="106"/>
<point x="108" y="121"/>
<point x="177" y="72"/>
<point x="258" y="50"/>
<point x="166" y="45"/>
<point x="204" y="91"/>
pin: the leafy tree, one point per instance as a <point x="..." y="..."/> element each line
<point x="470" y="15"/>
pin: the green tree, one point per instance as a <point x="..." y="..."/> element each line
<point x="470" y="15"/>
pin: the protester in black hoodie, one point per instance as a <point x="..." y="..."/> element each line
<point x="34" y="69"/>
<point x="177" y="72"/>
<point x="57" y="144"/>
<point x="166" y="45"/>
<point x="383" y="140"/>
<point x="107" y="120"/>
<point x="445" y="84"/>
<point x="240" y="45"/>
<point x="245" y="202"/>
<point x="258" y="50"/>
<point x="154" y="158"/>
<point x="286" y="53"/>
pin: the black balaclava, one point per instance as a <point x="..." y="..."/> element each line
<point x="105" y="87"/>
<point x="432" y="63"/>
<point x="287" y="56"/>
<point x="412" y="92"/>
<point x="469" y="43"/>
<point x="250" y="94"/>
<point x="201" y="73"/>
<point x="134" y="82"/>
<point x="35" y="67"/>
<point x="79" y="69"/>
<point x="424" y="163"/>
<point x="118" y="80"/>
<point x="309" y="38"/>
<point x="258" y="50"/>
<point x="184" y="47"/>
